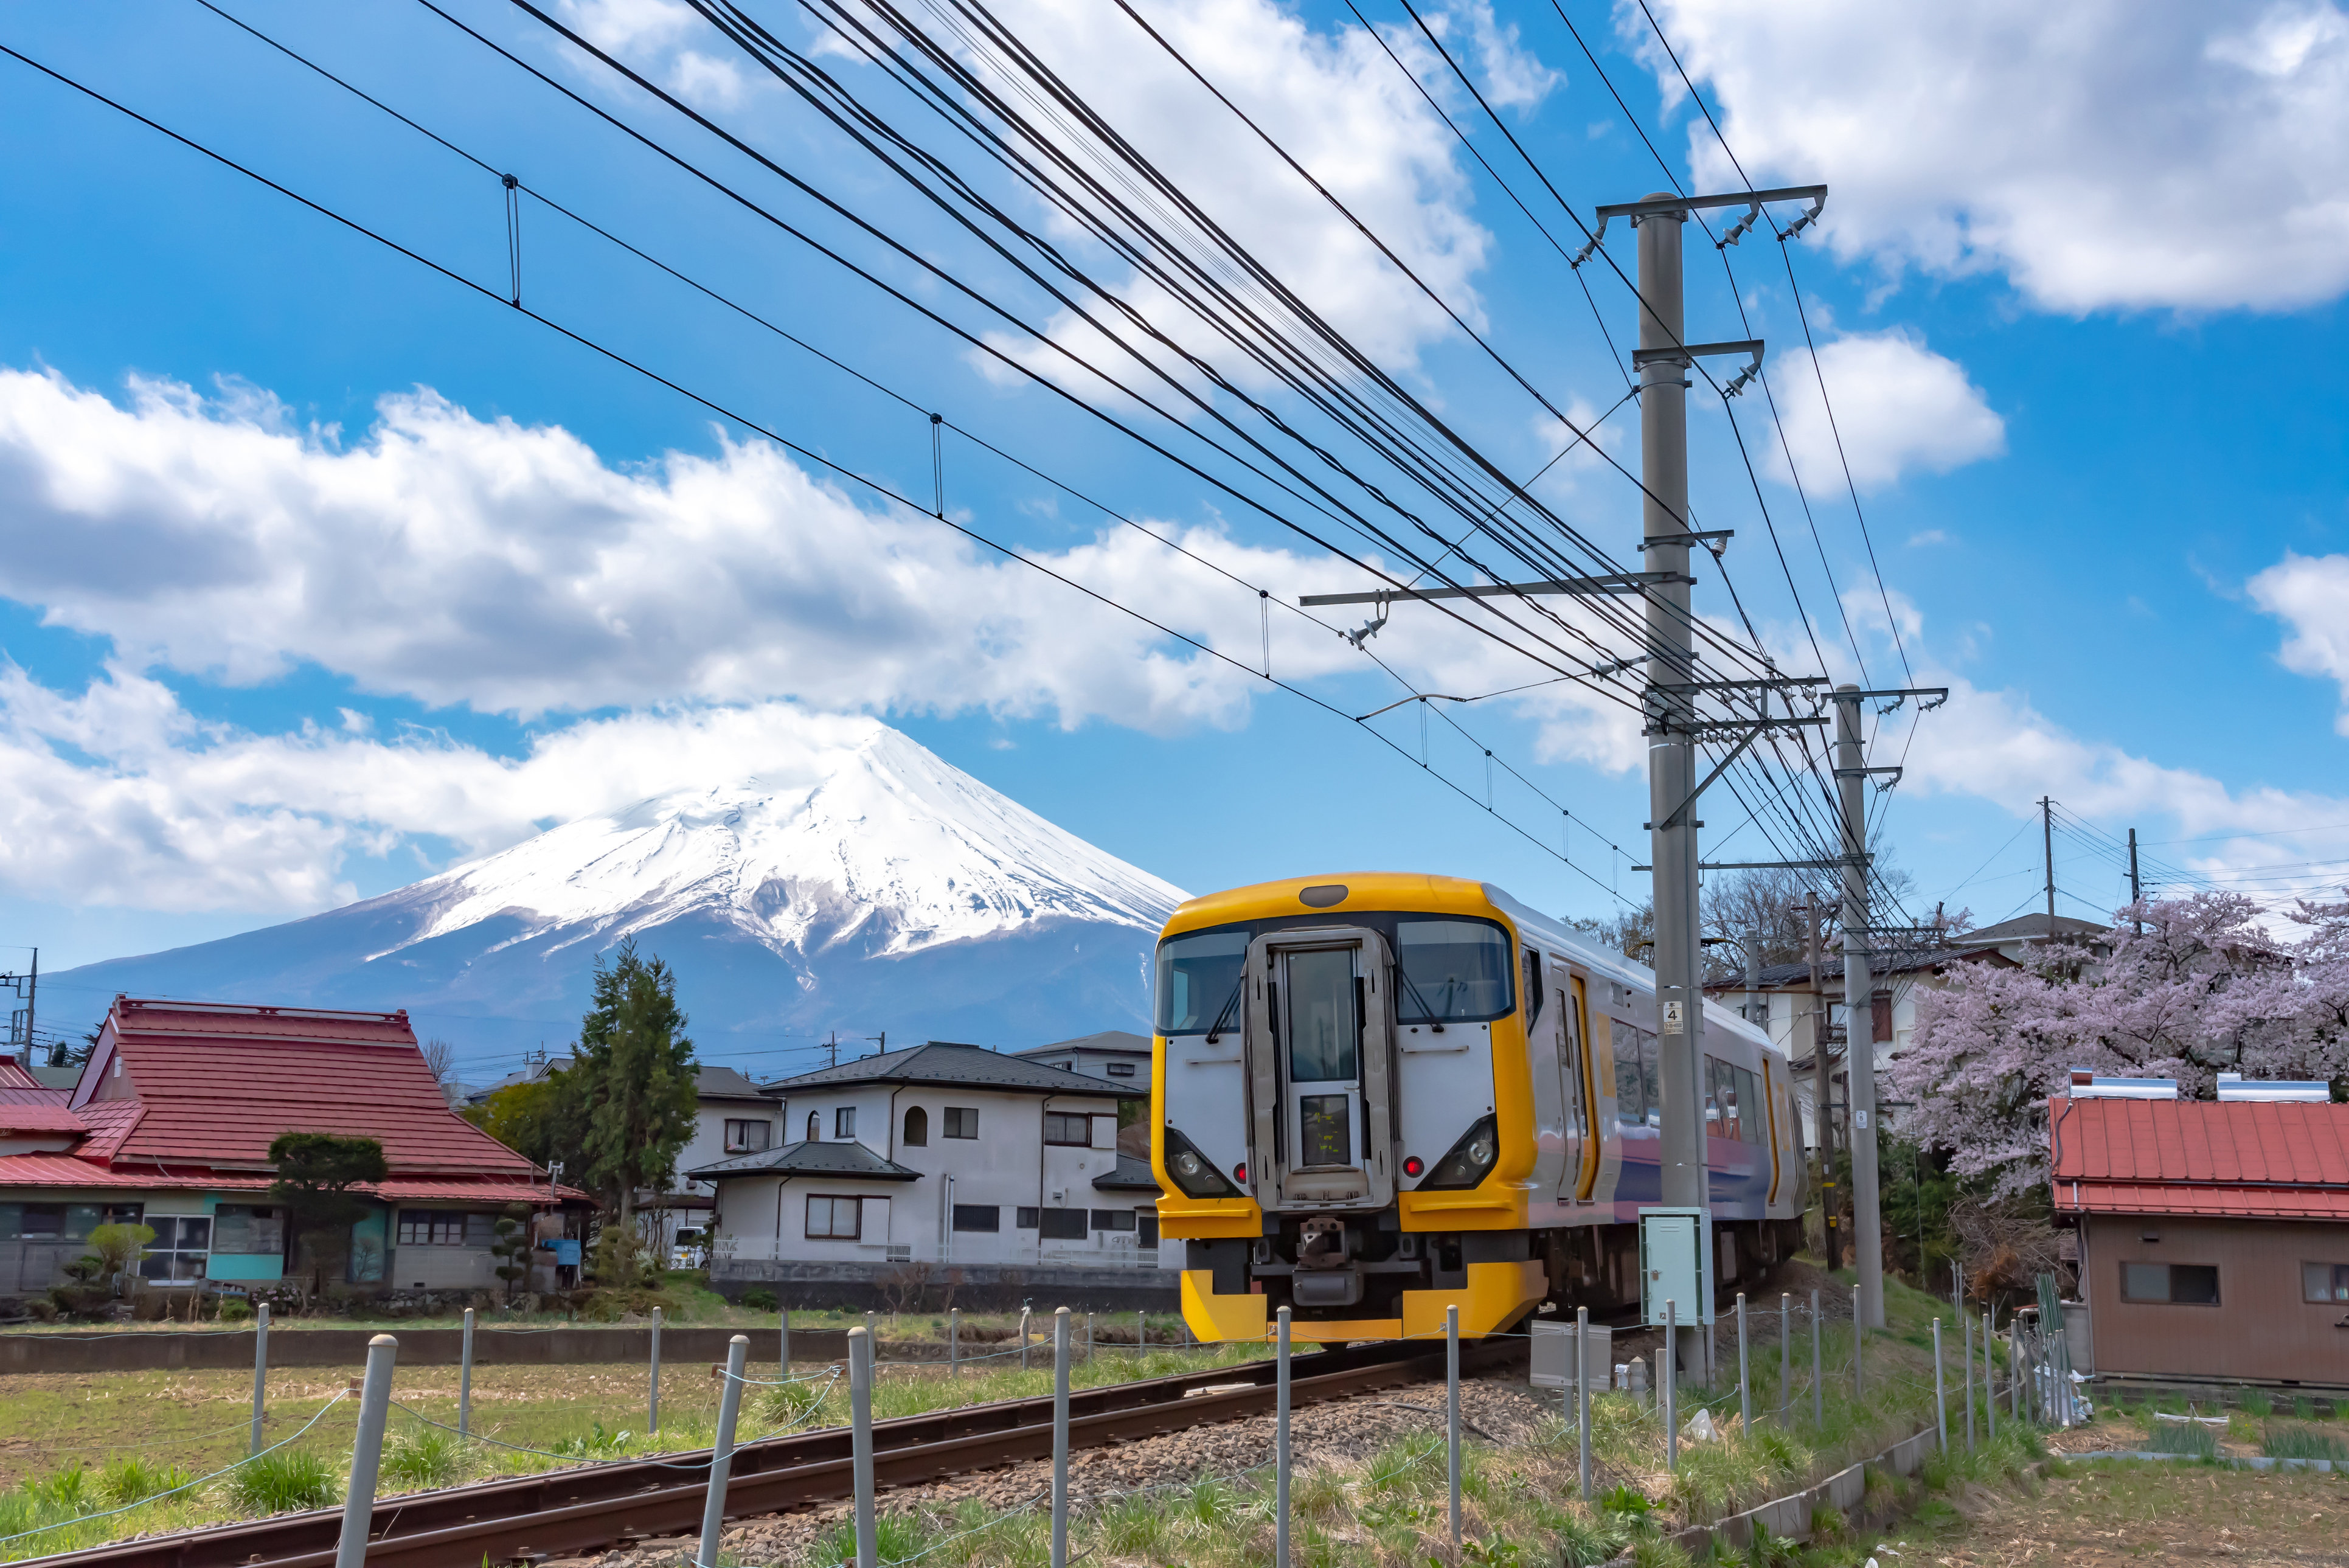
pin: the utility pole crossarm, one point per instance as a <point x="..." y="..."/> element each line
<point x="1661" y="206"/>
<point x="1602" y="583"/>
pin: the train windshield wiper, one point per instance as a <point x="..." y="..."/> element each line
<point x="1231" y="1004"/>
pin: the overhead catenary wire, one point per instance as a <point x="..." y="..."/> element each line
<point x="884" y="491"/>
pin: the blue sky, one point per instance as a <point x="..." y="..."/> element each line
<point x="312" y="552"/>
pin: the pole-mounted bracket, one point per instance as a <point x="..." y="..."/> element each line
<point x="1688" y="354"/>
<point x="1707" y="538"/>
<point x="1604" y="582"/>
<point x="1865" y="772"/>
<point x="1753" y="729"/>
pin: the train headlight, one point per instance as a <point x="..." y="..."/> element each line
<point x="1468" y="1161"/>
<point x="1192" y="1171"/>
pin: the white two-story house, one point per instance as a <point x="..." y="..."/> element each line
<point x="944" y="1155"/>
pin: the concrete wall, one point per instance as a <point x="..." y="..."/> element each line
<point x="982" y="1287"/>
<point x="293" y="1347"/>
<point x="2261" y="1330"/>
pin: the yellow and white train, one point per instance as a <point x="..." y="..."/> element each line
<point x="1376" y="1096"/>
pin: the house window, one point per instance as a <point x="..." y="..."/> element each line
<point x="987" y="1217"/>
<point x="178" y="1252"/>
<point x="1070" y="1131"/>
<point x="1062" y="1225"/>
<point x="2324" y="1281"/>
<point x="445" y="1228"/>
<point x="918" y="1128"/>
<point x="962" y="1121"/>
<point x="843" y="1121"/>
<point x="1112" y="1219"/>
<point x="1025" y="1218"/>
<point x="2182" y="1284"/>
<point x="1121" y="1069"/>
<point x="747" y="1137"/>
<point x="815" y="1128"/>
<point x="247" y="1232"/>
<point x="834" y="1219"/>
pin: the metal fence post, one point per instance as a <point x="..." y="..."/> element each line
<point x="367" y="1452"/>
<point x="1989" y="1380"/>
<point x="860" y="1444"/>
<point x="1941" y="1392"/>
<point x="1280" y="1446"/>
<point x="1023" y="1339"/>
<point x="1582" y="1388"/>
<point x="1785" y="1358"/>
<point x="1452" y="1409"/>
<point x="1089" y="1339"/>
<point x="1744" y="1381"/>
<point x="260" y="1373"/>
<point x="1060" y="1438"/>
<point x="1859" y="1349"/>
<point x="721" y="1452"/>
<point x="1668" y="1367"/>
<point x="652" y="1420"/>
<point x="1966" y="1363"/>
<point x="1818" y="1385"/>
<point x="465" y="1379"/>
<point x="783" y="1336"/>
<point x="954" y="1341"/>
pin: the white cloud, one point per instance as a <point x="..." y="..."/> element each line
<point x="2103" y="154"/>
<point x="1513" y="77"/>
<point x="2310" y="594"/>
<point x="1925" y="536"/>
<point x="1899" y="406"/>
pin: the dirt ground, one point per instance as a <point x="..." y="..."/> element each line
<point x="2124" y="1512"/>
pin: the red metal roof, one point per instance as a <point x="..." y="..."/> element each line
<point x="2264" y="1159"/>
<point x="67" y="1170"/>
<point x="39" y="1116"/>
<point x="13" y="1076"/>
<point x="219" y="1084"/>
<point x="110" y="1122"/>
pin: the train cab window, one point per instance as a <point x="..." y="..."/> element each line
<point x="1199" y="982"/>
<point x="1533" y="987"/>
<point x="1453" y="971"/>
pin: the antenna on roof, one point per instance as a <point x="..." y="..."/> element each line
<point x="881" y="1039"/>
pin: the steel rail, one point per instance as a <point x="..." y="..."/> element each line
<point x="525" y="1519"/>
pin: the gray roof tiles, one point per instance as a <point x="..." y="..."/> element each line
<point x="941" y="1062"/>
<point x="844" y="1158"/>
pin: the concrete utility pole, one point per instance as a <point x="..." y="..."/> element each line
<point x="1822" y="1088"/>
<point x="2136" y="892"/>
<point x="1754" y="1013"/>
<point x="1859" y="1009"/>
<point x="1671" y="720"/>
<point x="2047" y="849"/>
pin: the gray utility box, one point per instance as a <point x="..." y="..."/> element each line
<point x="1552" y="1347"/>
<point x="1676" y="1265"/>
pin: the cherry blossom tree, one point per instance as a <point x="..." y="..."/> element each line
<point x="2203" y="989"/>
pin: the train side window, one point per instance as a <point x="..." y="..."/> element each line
<point x="1534" y="997"/>
<point x="1716" y="1109"/>
<point x="1630" y="1106"/>
<point x="1570" y="1048"/>
<point x="1753" y="1117"/>
<point x="1651" y="1078"/>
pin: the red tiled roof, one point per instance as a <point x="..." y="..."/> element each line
<point x="110" y="1122"/>
<point x="66" y="1171"/>
<point x="2287" y="1159"/>
<point x="219" y="1084"/>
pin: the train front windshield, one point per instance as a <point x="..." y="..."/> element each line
<point x="1453" y="971"/>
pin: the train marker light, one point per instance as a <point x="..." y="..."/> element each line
<point x="1239" y="1172"/>
<point x="1412" y="1165"/>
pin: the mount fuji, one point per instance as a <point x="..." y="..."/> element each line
<point x="879" y="889"/>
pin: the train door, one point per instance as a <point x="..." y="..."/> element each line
<point x="1573" y="1072"/>
<point x="1321" y="1063"/>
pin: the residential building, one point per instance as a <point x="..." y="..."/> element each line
<point x="1799" y="1010"/>
<point x="735" y="1117"/>
<point x="169" y="1125"/>
<point x="2213" y="1235"/>
<point x="1122" y="1058"/>
<point x="944" y="1157"/>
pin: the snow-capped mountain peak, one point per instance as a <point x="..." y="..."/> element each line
<point x="887" y="844"/>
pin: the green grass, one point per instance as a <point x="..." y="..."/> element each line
<point x="2175" y="1438"/>
<point x="2297" y="1442"/>
<point x="134" y="1478"/>
<point x="284" y="1482"/>
<point x="423" y="1456"/>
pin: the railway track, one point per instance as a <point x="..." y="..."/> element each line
<point x="527" y="1519"/>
